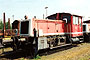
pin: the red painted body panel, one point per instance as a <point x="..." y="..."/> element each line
<point x="59" y="26"/>
<point x="49" y="26"/>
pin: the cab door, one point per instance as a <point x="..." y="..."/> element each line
<point x="80" y="25"/>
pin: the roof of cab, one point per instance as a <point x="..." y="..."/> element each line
<point x="64" y="13"/>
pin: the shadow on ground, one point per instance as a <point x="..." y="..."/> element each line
<point x="19" y="54"/>
<point x="15" y="55"/>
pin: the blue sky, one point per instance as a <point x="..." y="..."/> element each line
<point x="31" y="8"/>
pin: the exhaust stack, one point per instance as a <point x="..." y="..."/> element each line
<point x="4" y="27"/>
<point x="8" y="23"/>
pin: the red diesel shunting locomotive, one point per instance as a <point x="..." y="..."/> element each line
<point x="57" y="30"/>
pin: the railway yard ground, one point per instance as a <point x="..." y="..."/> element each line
<point x="74" y="52"/>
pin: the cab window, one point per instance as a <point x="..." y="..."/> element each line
<point x="75" y="20"/>
<point x="79" y="21"/>
<point x="67" y="18"/>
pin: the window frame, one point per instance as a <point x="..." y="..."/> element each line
<point x="75" y="20"/>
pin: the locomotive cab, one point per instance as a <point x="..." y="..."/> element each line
<point x="73" y="25"/>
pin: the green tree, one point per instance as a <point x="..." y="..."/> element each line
<point x="1" y="25"/>
<point x="6" y="25"/>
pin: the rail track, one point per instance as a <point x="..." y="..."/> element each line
<point x="24" y="53"/>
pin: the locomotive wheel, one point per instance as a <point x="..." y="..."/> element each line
<point x="15" y="44"/>
<point x="70" y="40"/>
<point x="14" y="47"/>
